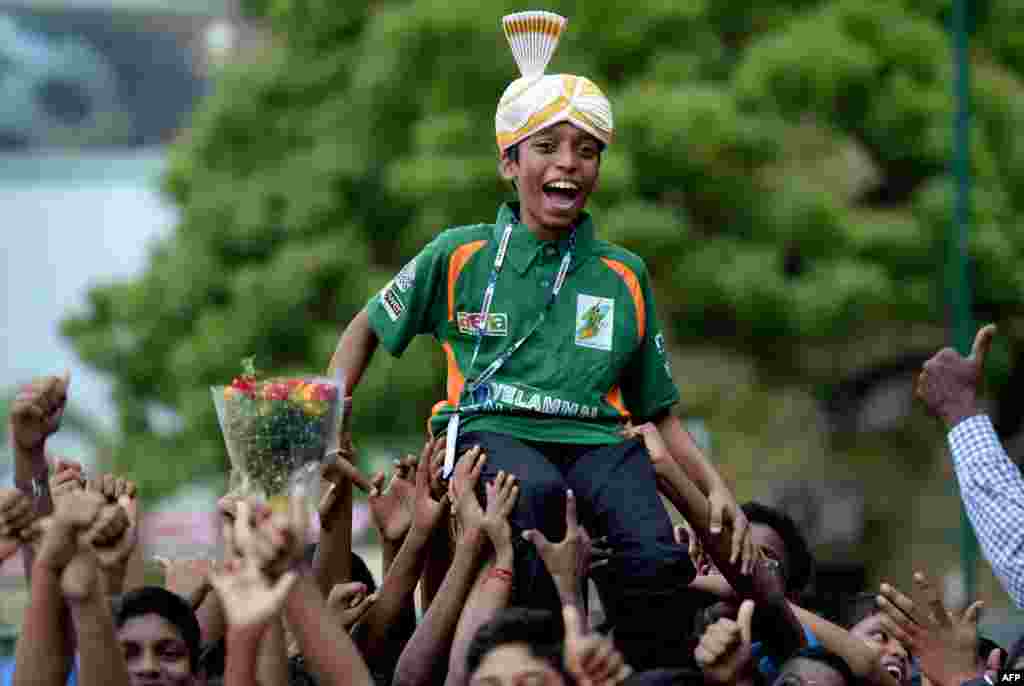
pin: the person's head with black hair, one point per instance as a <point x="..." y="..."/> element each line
<point x="780" y="538"/>
<point x="159" y="636"/>
<point x="519" y="642"/>
<point x="865" y="622"/>
<point x="816" y="665"/>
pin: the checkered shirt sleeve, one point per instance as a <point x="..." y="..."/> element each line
<point x="992" y="490"/>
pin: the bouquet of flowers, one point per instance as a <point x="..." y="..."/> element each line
<point x="277" y="431"/>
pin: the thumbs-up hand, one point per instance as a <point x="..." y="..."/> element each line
<point x="592" y="659"/>
<point x="949" y="382"/>
<point x="724" y="653"/>
<point x="36" y="413"/>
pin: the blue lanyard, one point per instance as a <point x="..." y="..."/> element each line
<point x="476" y="384"/>
<point x="477" y="388"/>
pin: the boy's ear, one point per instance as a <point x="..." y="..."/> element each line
<point x="508" y="168"/>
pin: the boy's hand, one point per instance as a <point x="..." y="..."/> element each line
<point x="59" y="543"/>
<point x="36" y="413"/>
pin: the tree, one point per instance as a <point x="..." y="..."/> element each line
<point x="781" y="167"/>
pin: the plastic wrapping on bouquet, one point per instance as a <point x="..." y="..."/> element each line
<point x="277" y="432"/>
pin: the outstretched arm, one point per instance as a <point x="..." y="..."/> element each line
<point x="724" y="511"/>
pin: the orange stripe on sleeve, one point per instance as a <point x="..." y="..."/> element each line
<point x="456" y="262"/>
<point x="633" y="285"/>
<point x="614" y="399"/>
<point x="456" y="381"/>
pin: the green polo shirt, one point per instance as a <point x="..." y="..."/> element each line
<point x="598" y="358"/>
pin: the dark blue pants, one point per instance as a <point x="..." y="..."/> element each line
<point x="643" y="586"/>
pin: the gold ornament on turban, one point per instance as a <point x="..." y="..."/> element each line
<point x="537" y="100"/>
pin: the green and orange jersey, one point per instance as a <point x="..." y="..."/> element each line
<point x="598" y="357"/>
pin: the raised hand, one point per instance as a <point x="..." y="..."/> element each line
<point x="591" y="659"/>
<point x="949" y="383"/>
<point x="568" y="560"/>
<point x="426" y="509"/>
<point x="724" y="653"/>
<point x="17" y="521"/>
<point x="277" y="544"/>
<point x="462" y="490"/>
<point x="247" y="595"/>
<point x="112" y="539"/>
<point x="59" y="543"/>
<point x="337" y="472"/>
<point x="36" y="412"/>
<point x="111" y="487"/>
<point x="188" y="578"/>
<point x="945" y="643"/>
<point x="391" y="507"/>
<point x="66" y="478"/>
<point x="349" y="602"/>
<point x="501" y="500"/>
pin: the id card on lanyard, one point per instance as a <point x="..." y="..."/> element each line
<point x="477" y="390"/>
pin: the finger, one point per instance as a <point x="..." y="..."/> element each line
<point x="896" y="615"/>
<point x="423" y="473"/>
<point x="342" y="594"/>
<point x="739" y="540"/>
<point x="745" y="619"/>
<point x="932" y="599"/>
<point x="283" y="587"/>
<point x="352" y="473"/>
<point x="902" y="603"/>
<point x="243" y="529"/>
<point x="119" y="487"/>
<point x="539" y="541"/>
<point x="377" y="484"/>
<point x="573" y="623"/>
<point x="896" y="630"/>
<point x="327" y="503"/>
<point x="982" y="344"/>
<point x="717" y="512"/>
<point x="972" y="613"/>
<point x="571" y="523"/>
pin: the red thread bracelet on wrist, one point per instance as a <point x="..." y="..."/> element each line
<point x="501" y="573"/>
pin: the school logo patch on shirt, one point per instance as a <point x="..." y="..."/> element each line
<point x="497" y="323"/>
<point x="391" y="302"/>
<point x="407" y="277"/>
<point x="595" y="318"/>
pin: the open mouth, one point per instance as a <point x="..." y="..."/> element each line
<point x="896" y="671"/>
<point x="563" y="194"/>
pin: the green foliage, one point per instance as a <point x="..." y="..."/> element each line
<point x="781" y="166"/>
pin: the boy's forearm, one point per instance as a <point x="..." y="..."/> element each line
<point x="439" y="560"/>
<point x="490" y="594"/>
<point x="240" y="668"/>
<point x="688" y="455"/>
<point x="333" y="561"/>
<point x="272" y="656"/>
<point x="329" y="650"/>
<point x="396" y="593"/>
<point x="43" y="653"/>
<point x="100" y="662"/>
<point x="858" y="654"/>
<point x="425" y="650"/>
<point x="354" y="351"/>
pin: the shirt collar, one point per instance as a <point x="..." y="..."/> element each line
<point x="524" y="247"/>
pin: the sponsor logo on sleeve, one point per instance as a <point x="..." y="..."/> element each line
<point x="407" y="277"/>
<point x="392" y="302"/>
<point x="496" y="325"/>
<point x="594" y="321"/>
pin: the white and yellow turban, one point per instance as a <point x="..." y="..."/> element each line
<point x="537" y="100"/>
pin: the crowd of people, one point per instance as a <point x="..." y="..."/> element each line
<point x="276" y="609"/>
<point x="551" y="463"/>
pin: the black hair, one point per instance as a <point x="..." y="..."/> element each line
<point x="540" y="630"/>
<point x="825" y="657"/>
<point x="154" y="600"/>
<point x="800" y="562"/>
<point x="860" y="607"/>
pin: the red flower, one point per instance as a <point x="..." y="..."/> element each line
<point x="276" y="391"/>
<point x="325" y="392"/>
<point x="245" y="384"/>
